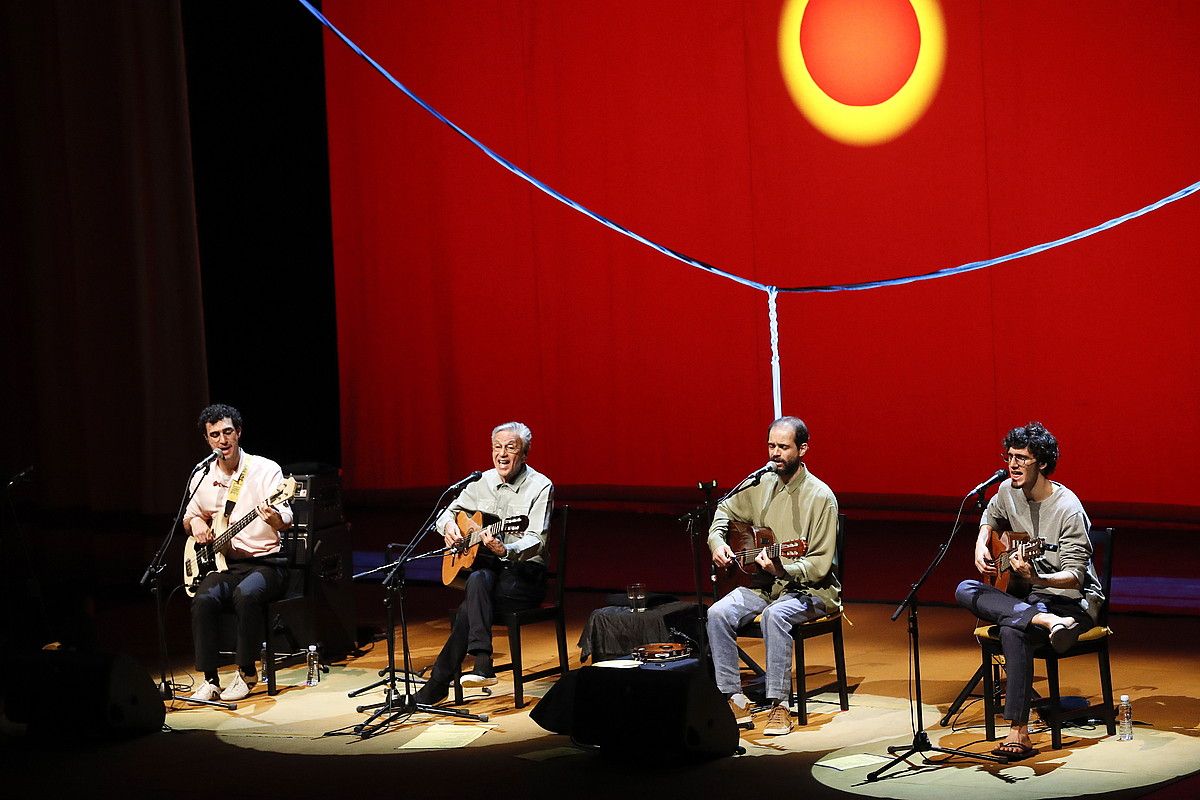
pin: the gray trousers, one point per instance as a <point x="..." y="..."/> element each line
<point x="740" y="607"/>
<point x="1018" y="636"/>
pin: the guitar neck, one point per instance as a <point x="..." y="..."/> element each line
<point x="746" y="557"/>
<point x="233" y="530"/>
<point x="491" y="530"/>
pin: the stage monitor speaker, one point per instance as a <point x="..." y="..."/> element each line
<point x="84" y="695"/>
<point x="652" y="713"/>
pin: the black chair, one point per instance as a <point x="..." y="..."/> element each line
<point x="830" y="624"/>
<point x="1091" y="642"/>
<point x="553" y="609"/>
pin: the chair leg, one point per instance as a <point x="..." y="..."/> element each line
<point x="1110" y="715"/>
<point x="839" y="660"/>
<point x="268" y="665"/>
<point x="514" y="643"/>
<point x="560" y="629"/>
<point x="1055" y="703"/>
<point x="989" y="694"/>
<point x="801" y="683"/>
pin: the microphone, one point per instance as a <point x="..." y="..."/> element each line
<point x="758" y="473"/>
<point x="474" y="476"/>
<point x="215" y="455"/>
<point x="24" y="476"/>
<point x="998" y="476"/>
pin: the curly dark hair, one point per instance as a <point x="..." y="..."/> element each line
<point x="799" y="429"/>
<point x="217" y="412"/>
<point x="1038" y="440"/>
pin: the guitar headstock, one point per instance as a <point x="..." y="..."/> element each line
<point x="285" y="491"/>
<point x="793" y="549"/>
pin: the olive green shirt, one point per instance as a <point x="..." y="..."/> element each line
<point x="803" y="508"/>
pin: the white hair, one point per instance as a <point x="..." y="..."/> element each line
<point x="520" y="429"/>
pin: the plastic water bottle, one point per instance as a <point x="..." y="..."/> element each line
<point x="1125" y="720"/>
<point x="262" y="657"/>
<point x="314" y="667"/>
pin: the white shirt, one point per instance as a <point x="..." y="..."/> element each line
<point x="262" y="477"/>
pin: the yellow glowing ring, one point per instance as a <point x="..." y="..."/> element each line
<point x="865" y="125"/>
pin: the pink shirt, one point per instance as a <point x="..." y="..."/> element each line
<point x="262" y="477"/>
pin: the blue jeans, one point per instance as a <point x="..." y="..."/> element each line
<point x="740" y="607"/>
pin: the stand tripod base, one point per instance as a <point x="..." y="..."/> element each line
<point x="394" y="707"/>
<point x="921" y="744"/>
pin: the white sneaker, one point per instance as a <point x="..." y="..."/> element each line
<point x="207" y="691"/>
<point x="239" y="687"/>
<point x="474" y="680"/>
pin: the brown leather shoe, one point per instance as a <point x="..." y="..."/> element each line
<point x="741" y="714"/>
<point x="779" y="722"/>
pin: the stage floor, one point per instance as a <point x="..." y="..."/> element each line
<point x="278" y="747"/>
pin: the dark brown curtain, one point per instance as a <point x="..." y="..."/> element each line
<point x="103" y="337"/>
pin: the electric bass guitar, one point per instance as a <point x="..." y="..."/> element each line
<point x="457" y="562"/>
<point x="201" y="559"/>
<point x="747" y="541"/>
<point x="1003" y="545"/>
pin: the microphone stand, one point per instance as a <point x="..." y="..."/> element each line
<point x="394" y="703"/>
<point x="690" y="520"/>
<point x="153" y="576"/>
<point x="920" y="742"/>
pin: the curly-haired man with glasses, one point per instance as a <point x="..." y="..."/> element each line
<point x="1054" y="596"/>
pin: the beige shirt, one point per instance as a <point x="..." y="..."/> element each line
<point x="262" y="477"/>
<point x="803" y="508"/>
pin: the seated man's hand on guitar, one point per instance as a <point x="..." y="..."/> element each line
<point x="1022" y="567"/>
<point x="764" y="561"/>
<point x="983" y="561"/>
<point x="450" y="535"/>
<point x="200" y="531"/>
<point x="271" y="516"/>
<point x="722" y="555"/>
<point x="494" y="545"/>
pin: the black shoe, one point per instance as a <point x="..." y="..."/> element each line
<point x="432" y="693"/>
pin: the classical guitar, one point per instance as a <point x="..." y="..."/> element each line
<point x="457" y="562"/>
<point x="201" y="559"/>
<point x="747" y="541"/>
<point x="1003" y="545"/>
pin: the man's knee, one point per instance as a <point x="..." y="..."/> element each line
<point x="966" y="592"/>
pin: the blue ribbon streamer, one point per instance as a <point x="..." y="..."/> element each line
<point x="693" y="262"/>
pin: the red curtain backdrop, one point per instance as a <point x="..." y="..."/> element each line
<point x="466" y="297"/>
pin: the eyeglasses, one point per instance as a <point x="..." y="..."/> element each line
<point x="1022" y="461"/>
<point x="511" y="447"/>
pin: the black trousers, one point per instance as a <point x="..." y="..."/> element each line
<point x="489" y="591"/>
<point x="1018" y="636"/>
<point x="244" y="588"/>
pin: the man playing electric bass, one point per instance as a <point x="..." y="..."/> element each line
<point x="509" y="572"/>
<point x="794" y="504"/>
<point x="235" y="488"/>
<point x="1053" y="596"/>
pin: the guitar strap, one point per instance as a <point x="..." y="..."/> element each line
<point x="236" y="488"/>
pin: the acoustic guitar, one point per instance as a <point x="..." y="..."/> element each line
<point x="458" y="560"/>
<point x="1003" y="545"/>
<point x="201" y="559"/>
<point x="747" y="541"/>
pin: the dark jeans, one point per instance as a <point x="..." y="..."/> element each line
<point x="1018" y="636"/>
<point x="245" y="589"/>
<point x="489" y="591"/>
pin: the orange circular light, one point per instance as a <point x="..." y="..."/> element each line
<point x="862" y="73"/>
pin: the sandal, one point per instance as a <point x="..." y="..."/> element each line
<point x="1014" y="751"/>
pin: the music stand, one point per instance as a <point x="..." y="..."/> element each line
<point x="920" y="742"/>
<point x="153" y="575"/>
